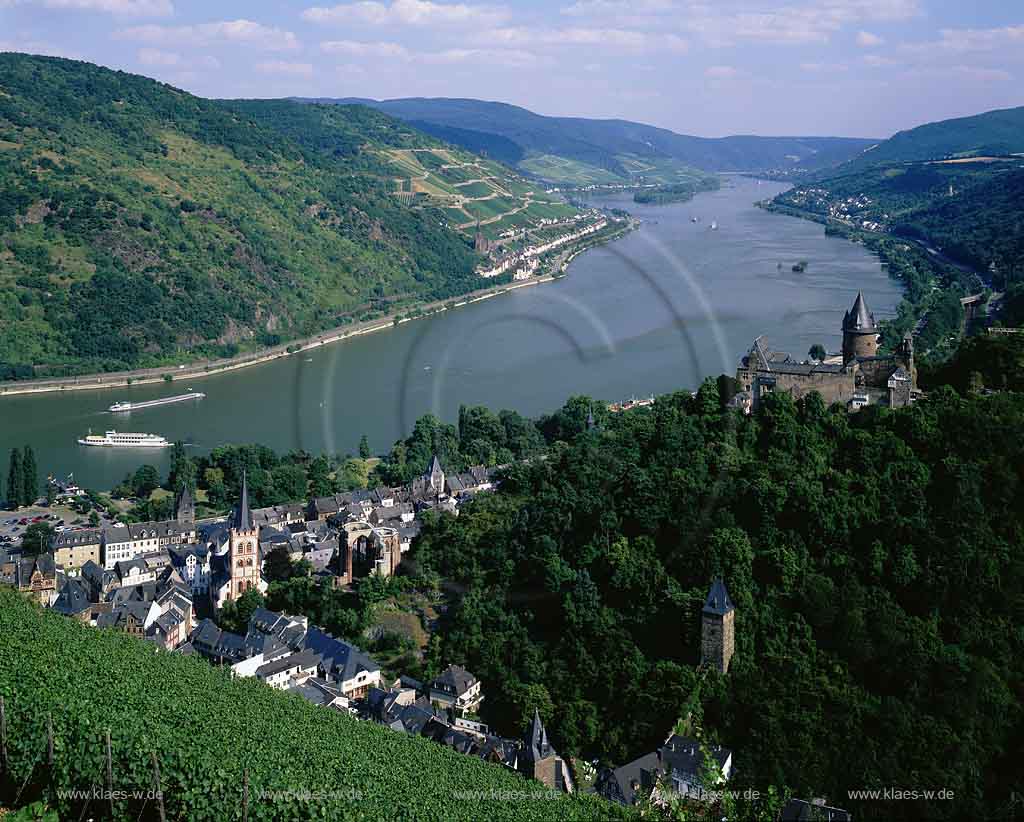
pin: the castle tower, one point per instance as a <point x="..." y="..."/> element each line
<point x="243" y="547"/>
<point x="860" y="333"/>
<point x="185" y="507"/>
<point x="717" y="628"/>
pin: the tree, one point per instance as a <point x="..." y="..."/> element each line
<point x="320" y="477"/>
<point x="94" y="519"/>
<point x="364" y="448"/>
<point x="145" y="481"/>
<point x="817" y="352"/>
<point x="30" y="477"/>
<point x="278" y="567"/>
<point x="183" y="469"/>
<point x="15" y="480"/>
<point x="36" y="538"/>
<point x="234" y="616"/>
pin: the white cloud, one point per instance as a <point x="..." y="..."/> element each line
<point x="607" y="38"/>
<point x="26" y="45"/>
<point x="407" y="13"/>
<point x="285" y="69"/>
<point x="155" y="57"/>
<point x="355" y="48"/>
<point x="243" y="32"/>
<point x="510" y="58"/>
<point x="172" y="59"/>
<point x="877" y="61"/>
<point x="126" y="8"/>
<point x="824" y="68"/>
<point x="868" y="40"/>
<point x="963" y="41"/>
<point x="721" y="72"/>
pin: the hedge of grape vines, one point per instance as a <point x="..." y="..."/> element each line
<point x="207" y="729"/>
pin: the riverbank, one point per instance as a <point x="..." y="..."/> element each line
<point x="209" y="368"/>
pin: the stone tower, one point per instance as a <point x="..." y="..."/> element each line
<point x="860" y="333"/>
<point x="185" y="507"/>
<point x="243" y="551"/>
<point x="718" y="628"/>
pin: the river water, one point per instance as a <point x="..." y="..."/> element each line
<point x="655" y="311"/>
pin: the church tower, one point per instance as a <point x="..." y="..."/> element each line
<point x="185" y="507"/>
<point x="436" y="477"/>
<point x="718" y="628"/>
<point x="860" y="333"/>
<point x="243" y="547"/>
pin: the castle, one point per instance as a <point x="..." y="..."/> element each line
<point x="860" y="376"/>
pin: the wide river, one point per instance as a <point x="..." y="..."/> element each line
<point x="658" y="310"/>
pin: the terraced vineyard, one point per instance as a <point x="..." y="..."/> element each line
<point x="470" y="189"/>
<point x="206" y="730"/>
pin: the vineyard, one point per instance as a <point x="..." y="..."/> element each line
<point x="95" y="711"/>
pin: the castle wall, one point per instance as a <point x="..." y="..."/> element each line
<point x="832" y="387"/>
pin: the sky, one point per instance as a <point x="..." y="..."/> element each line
<point x="859" y="68"/>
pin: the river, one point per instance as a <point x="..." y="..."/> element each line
<point x="658" y="310"/>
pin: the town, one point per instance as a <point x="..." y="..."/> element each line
<point x="153" y="580"/>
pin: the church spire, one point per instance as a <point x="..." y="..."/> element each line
<point x="243" y="516"/>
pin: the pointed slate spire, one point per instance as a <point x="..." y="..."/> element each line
<point x="859" y="318"/>
<point x="243" y="516"/>
<point x="537" y="746"/>
<point x="590" y="419"/>
<point x="718" y="601"/>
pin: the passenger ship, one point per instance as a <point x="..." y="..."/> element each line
<point x="122" y="440"/>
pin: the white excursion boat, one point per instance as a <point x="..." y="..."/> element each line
<point x="117" y="439"/>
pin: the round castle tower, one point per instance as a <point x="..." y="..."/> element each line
<point x="860" y="333"/>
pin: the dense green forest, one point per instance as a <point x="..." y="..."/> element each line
<point x="140" y="225"/>
<point x="678" y="192"/>
<point x="875" y="560"/>
<point x="998" y="132"/>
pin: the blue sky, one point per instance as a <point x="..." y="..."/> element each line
<point x="710" y="67"/>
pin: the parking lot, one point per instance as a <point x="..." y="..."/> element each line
<point x="14" y="523"/>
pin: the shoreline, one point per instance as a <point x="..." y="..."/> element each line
<point x="209" y="368"/>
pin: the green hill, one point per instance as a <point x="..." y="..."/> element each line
<point x="999" y="132"/>
<point x="206" y="729"/>
<point x="578" y="150"/>
<point x="140" y="225"/>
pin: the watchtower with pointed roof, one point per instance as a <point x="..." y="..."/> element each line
<point x="435" y="476"/>
<point x="860" y="332"/>
<point x="243" y="551"/>
<point x="718" y="628"/>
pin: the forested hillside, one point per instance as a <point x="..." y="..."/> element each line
<point x="999" y="132"/>
<point x="578" y="150"/>
<point x="140" y="225"/>
<point x="875" y="561"/>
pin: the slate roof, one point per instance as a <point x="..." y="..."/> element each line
<point x="340" y="658"/>
<point x="685" y="756"/>
<point x="73" y="598"/>
<point x="718" y="601"/>
<point x="301" y="659"/>
<point x="535" y="744"/>
<point x="454" y="679"/>
<point x="89" y="536"/>
<point x="859" y="318"/>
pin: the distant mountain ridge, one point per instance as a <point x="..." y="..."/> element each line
<point x="517" y="135"/>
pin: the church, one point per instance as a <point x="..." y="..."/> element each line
<point x="235" y="561"/>
<point x="859" y="376"/>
